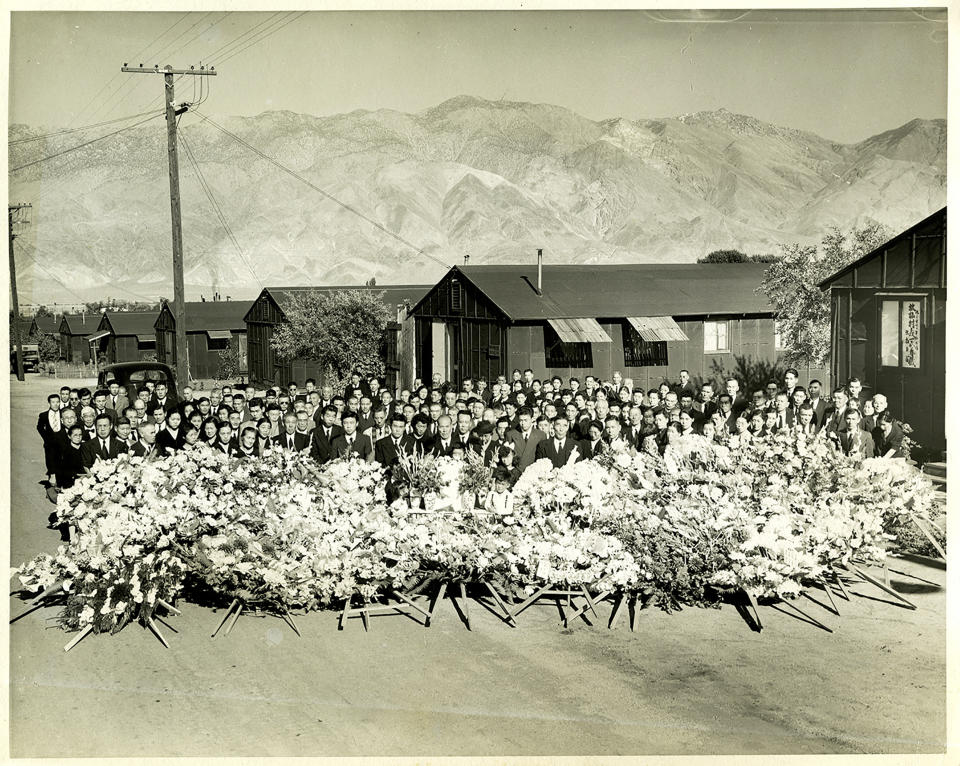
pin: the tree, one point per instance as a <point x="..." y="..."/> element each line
<point x="342" y="331"/>
<point x="43" y="311"/>
<point x="725" y="256"/>
<point x="791" y="284"/>
<point x="229" y="365"/>
<point x="119" y="304"/>
<point x="736" y="256"/>
<point x="48" y="349"/>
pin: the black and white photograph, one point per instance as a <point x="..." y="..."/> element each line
<point x="450" y="380"/>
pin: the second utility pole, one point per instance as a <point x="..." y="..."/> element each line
<point x="179" y="309"/>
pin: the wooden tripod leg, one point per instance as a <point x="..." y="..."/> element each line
<point x="345" y="613"/>
<point x="402" y="597"/>
<point x="466" y="606"/>
<point x="363" y="613"/>
<point x="225" y="617"/>
<point x="288" y="618"/>
<point x="156" y="631"/>
<point x="930" y="537"/>
<point x="807" y="616"/>
<point x="529" y="601"/>
<point x="236" y="616"/>
<point x="49" y="591"/>
<point x="171" y="609"/>
<point x="843" y="590"/>
<point x="617" y="611"/>
<point x="826" y="589"/>
<point x="499" y="602"/>
<point x="634" y="606"/>
<point x="78" y="638"/>
<point x="881" y="586"/>
<point x="438" y="598"/>
<point x="756" y="608"/>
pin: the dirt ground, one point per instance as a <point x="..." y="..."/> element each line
<point x="696" y="682"/>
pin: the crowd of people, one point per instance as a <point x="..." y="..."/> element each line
<point x="509" y="424"/>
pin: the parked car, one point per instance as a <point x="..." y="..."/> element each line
<point x="29" y="353"/>
<point x="137" y="373"/>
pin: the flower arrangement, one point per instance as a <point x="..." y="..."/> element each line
<point x="282" y="533"/>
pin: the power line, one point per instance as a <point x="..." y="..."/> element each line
<point x="316" y="188"/>
<point x="203" y="32"/>
<point x="76" y="130"/>
<point x="263" y="37"/>
<point x="229" y="44"/>
<point x="136" y="55"/>
<point x="85" y="143"/>
<point x="216" y="207"/>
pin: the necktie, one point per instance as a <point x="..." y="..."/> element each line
<point x="327" y="432"/>
<point x="559" y="446"/>
<point x="103" y="446"/>
<point x="289" y="441"/>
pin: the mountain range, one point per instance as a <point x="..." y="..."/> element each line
<point x="492" y="179"/>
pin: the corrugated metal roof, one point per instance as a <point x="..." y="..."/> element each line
<point x="875" y="253"/>
<point x="215" y="315"/>
<point x="657" y="328"/>
<point x="393" y="294"/>
<point x="131" y="322"/>
<point x="580" y="330"/>
<point x="82" y="324"/>
<point x="675" y="289"/>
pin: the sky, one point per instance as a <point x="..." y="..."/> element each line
<point x="843" y="75"/>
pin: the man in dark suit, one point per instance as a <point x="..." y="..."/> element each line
<point x="145" y="446"/>
<point x="819" y="404"/>
<point x="833" y="422"/>
<point x="525" y="439"/>
<point x="290" y="438"/>
<point x="351" y="443"/>
<point x="462" y="436"/>
<point x="321" y="443"/>
<point x="162" y="398"/>
<point x="854" y="441"/>
<point x="560" y="449"/>
<point x="104" y="446"/>
<point x="738" y="402"/>
<point x="100" y="405"/>
<point x="49" y="425"/>
<point x="785" y="417"/>
<point x="806" y="422"/>
<point x="443" y="442"/>
<point x="387" y="451"/>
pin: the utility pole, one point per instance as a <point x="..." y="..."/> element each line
<point x="173" y="111"/>
<point x="13" y="212"/>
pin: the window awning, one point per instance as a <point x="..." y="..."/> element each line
<point x="97" y="336"/>
<point x="657" y="328"/>
<point x="580" y="331"/>
<point x="146" y="339"/>
<point x="218" y="334"/>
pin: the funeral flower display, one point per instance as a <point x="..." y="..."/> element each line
<point x="283" y="534"/>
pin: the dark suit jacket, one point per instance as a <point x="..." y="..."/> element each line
<point x="321" y="448"/>
<point x="166" y="441"/>
<point x="44" y="429"/>
<point x="170" y="403"/>
<point x="386" y="453"/>
<point x="112" y="414"/>
<point x="865" y="441"/>
<point x="547" y="449"/>
<point x="69" y="466"/>
<point x="361" y="447"/>
<point x="414" y="446"/>
<point x="140" y="449"/>
<point x="819" y="411"/>
<point x="91" y="451"/>
<point x="218" y="446"/>
<point x="301" y="442"/>
<point x="588" y="452"/>
<point x="526" y="451"/>
<point x="437" y="449"/>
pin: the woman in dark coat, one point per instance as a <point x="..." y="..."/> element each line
<point x="171" y="437"/>
<point x="888" y="437"/>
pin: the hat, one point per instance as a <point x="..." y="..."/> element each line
<point x="483" y="429"/>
